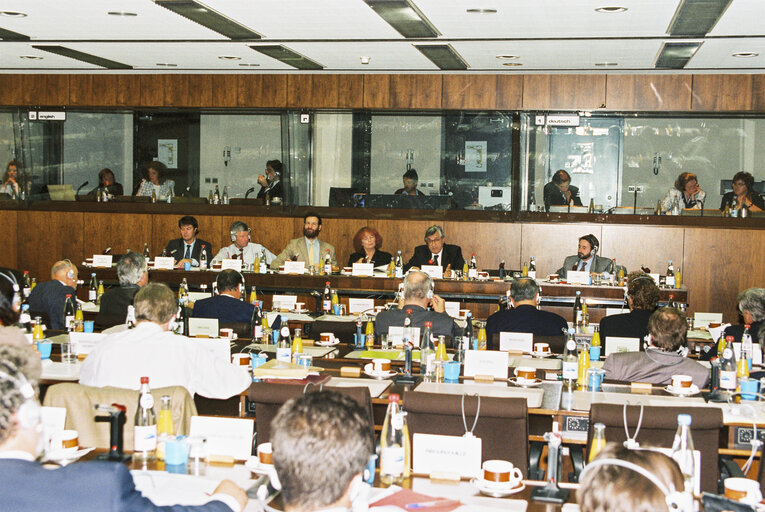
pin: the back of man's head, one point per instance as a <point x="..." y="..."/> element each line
<point x="156" y="303"/>
<point x="18" y="378"/>
<point x="321" y="441"/>
<point x="667" y="327"/>
<point x="642" y="290"/>
<point x="752" y="300"/>
<point x="524" y="289"/>
<point x="228" y="279"/>
<point x="130" y="268"/>
<point x="62" y="268"/>
<point x="417" y="285"/>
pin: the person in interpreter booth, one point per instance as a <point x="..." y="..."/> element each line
<point x="560" y="192"/>
<point x="271" y="183"/>
<point x="411" y="179"/>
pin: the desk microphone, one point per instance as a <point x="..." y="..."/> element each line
<point x="249" y="191"/>
<point x="80" y="188"/>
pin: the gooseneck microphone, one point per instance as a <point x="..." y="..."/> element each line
<point x="80" y="188"/>
<point x="249" y="191"/>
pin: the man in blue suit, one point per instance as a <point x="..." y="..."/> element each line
<point x="49" y="297"/>
<point x="228" y="306"/>
<point x="83" y="487"/>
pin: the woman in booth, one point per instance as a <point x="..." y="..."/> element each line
<point x="10" y="184"/>
<point x="367" y="243"/>
<point x="686" y="194"/>
<point x="157" y="182"/>
<point x="106" y="180"/>
<point x="743" y="194"/>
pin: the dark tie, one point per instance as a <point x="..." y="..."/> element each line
<point x="435" y="259"/>
<point x="187" y="255"/>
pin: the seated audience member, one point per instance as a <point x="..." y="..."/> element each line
<point x="560" y="192"/>
<point x="642" y="297"/>
<point x="418" y="296"/>
<point x="586" y="258"/>
<point x="271" y="183"/>
<point x="524" y="316"/>
<point x="367" y="243"/>
<point x="226" y="307"/>
<point x="25" y="485"/>
<point x="157" y="182"/>
<point x="188" y="248"/>
<point x="663" y="357"/>
<point x="436" y="252"/>
<point x="411" y="179"/>
<point x="326" y="430"/>
<point x="152" y="350"/>
<point x="10" y="298"/>
<point x="49" y="297"/>
<point x="751" y="305"/>
<point x="132" y="273"/>
<point x="685" y="194"/>
<point x="243" y="248"/>
<point x="614" y="488"/>
<point x="743" y="194"/>
<point x="106" y="180"/>
<point x="307" y="248"/>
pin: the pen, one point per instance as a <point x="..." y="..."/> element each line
<point x="426" y="504"/>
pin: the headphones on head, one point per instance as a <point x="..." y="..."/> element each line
<point x="593" y="241"/>
<point x="29" y="412"/>
<point x="16" y="299"/>
<point x="238" y="226"/>
<point x="242" y="286"/>
<point x="679" y="501"/>
<point x="70" y="273"/>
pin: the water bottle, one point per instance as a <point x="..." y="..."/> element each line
<point x="682" y="450"/>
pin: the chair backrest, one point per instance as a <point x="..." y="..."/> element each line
<point x="658" y="429"/>
<point x="503" y="422"/>
<point x="79" y="401"/>
<point x="269" y="397"/>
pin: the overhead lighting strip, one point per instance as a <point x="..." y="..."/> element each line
<point x="82" y="57"/>
<point x="209" y="18"/>
<point x="287" y="56"/>
<point x="405" y="17"/>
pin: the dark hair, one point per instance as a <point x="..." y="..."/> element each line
<point x="7" y="168"/>
<point x="7" y="315"/>
<point x="311" y="214"/>
<point x="228" y="279"/>
<point x="560" y="176"/>
<point x="276" y="165"/>
<point x="524" y="288"/>
<point x="102" y="174"/>
<point x="411" y="174"/>
<point x="160" y="168"/>
<point x="360" y="234"/>
<point x="590" y="239"/>
<point x="667" y="327"/>
<point x="683" y="179"/>
<point x="643" y="290"/>
<point x="188" y="220"/>
<point x="748" y="180"/>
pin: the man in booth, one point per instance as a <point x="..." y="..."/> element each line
<point x="227" y="306"/>
<point x="586" y="258"/>
<point x="243" y="248"/>
<point x="188" y="248"/>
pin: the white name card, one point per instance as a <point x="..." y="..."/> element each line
<point x="164" y="262"/>
<point x="363" y="269"/>
<point x="434" y="271"/>
<point x="486" y="362"/>
<point x="294" y="267"/>
<point x="396" y="336"/>
<point x="655" y="277"/>
<point x="225" y="436"/>
<point x="203" y="327"/>
<point x="230" y="263"/>
<point x="704" y="319"/>
<point x="756" y="352"/>
<point x="516" y="341"/>
<point x="617" y="344"/>
<point x="577" y="277"/>
<point x="284" y="301"/>
<point x="360" y="305"/>
<point x="460" y="455"/>
<point x="83" y="342"/>
<point x="102" y="260"/>
<point x="452" y="309"/>
<point x="195" y="296"/>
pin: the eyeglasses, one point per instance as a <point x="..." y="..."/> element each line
<point x="433" y="240"/>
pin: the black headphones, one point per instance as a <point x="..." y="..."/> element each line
<point x="592" y="241"/>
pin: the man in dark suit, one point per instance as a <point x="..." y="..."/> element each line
<point x="586" y="258"/>
<point x="132" y="273"/>
<point x="271" y="183"/>
<point x="188" y="248"/>
<point x="228" y="306"/>
<point x="642" y="297"/>
<point x="83" y="487"/>
<point x="524" y="316"/>
<point x="560" y="192"/>
<point x="436" y="252"/>
<point x="49" y="297"/>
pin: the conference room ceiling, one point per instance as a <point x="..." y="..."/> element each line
<point x="512" y="36"/>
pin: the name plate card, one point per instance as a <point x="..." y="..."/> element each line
<point x="229" y="263"/>
<point x="102" y="260"/>
<point x="617" y="344"/>
<point x="363" y="269"/>
<point x="452" y="309"/>
<point x="704" y="319"/>
<point x="294" y="267"/>
<point x="516" y="341"/>
<point x="360" y="305"/>
<point x="284" y="301"/>
<point x="84" y="342"/>
<point x="578" y="277"/>
<point x="225" y="436"/>
<point x="203" y="327"/>
<point x="164" y="262"/>
<point x="434" y="271"/>
<point x="396" y="336"/>
<point x="487" y="362"/>
<point x="655" y="277"/>
<point x="460" y="455"/>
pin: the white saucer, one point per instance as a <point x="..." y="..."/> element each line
<point x="496" y="492"/>
<point x="65" y="458"/>
<point x="693" y="390"/>
<point x="327" y="343"/>
<point x="532" y="384"/>
<point x="541" y="354"/>
<point x="377" y="375"/>
<point x="254" y="465"/>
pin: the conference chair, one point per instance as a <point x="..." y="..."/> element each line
<point x="503" y="422"/>
<point x="658" y="429"/>
<point x="80" y="400"/>
<point x="269" y="397"/>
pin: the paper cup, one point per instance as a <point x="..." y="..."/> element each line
<point x="227" y="333"/>
<point x="265" y="453"/>
<point x="682" y="381"/>
<point x="542" y="348"/>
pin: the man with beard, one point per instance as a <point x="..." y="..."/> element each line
<point x="586" y="258"/>
<point x="307" y="248"/>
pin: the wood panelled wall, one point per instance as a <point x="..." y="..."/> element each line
<point x="717" y="263"/>
<point x="649" y="92"/>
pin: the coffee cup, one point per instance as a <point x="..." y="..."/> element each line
<point x="300" y="306"/>
<point x="553" y="278"/>
<point x="682" y="381"/>
<point x="265" y="453"/>
<point x="327" y="337"/>
<point x="525" y="374"/>
<point x="240" y="359"/>
<point x="743" y="490"/>
<point x="227" y="333"/>
<point x="542" y="348"/>
<point x="381" y="365"/>
<point x="65" y="443"/>
<point x="500" y="474"/>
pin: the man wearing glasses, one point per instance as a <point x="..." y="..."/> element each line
<point x="436" y="252"/>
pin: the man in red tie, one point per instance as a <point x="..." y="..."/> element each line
<point x="586" y="258"/>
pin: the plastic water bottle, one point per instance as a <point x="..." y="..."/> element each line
<point x="682" y="450"/>
<point x="395" y="451"/>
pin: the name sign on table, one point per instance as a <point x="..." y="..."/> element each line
<point x="704" y="319"/>
<point x="655" y="277"/>
<point x="294" y="267"/>
<point x="225" y="436"/>
<point x="360" y="305"/>
<point x="284" y="301"/>
<point x="452" y="309"/>
<point x="203" y="327"/>
<point x="487" y="362"/>
<point x="756" y="352"/>
<point x="516" y="341"/>
<point x="102" y="260"/>
<point x="83" y="342"/>
<point x="229" y="263"/>
<point x="434" y="271"/>
<point x="363" y="269"/>
<point x="460" y="455"/>
<point x="578" y="277"/>
<point x="164" y="263"/>
<point x="618" y="344"/>
<point x="396" y="336"/>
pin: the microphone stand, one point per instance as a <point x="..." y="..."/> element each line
<point x="249" y="191"/>
<point x="634" y="203"/>
<point x="77" y="194"/>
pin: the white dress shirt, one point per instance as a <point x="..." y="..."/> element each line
<point x="250" y="251"/>
<point x="121" y="359"/>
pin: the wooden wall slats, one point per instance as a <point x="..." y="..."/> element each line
<point x="491" y="243"/>
<point x="9" y="252"/>
<point x="649" y="246"/>
<point x="648" y="92"/>
<point x="188" y="90"/>
<point x="224" y="90"/>
<point x="717" y="93"/>
<point x="325" y="91"/>
<point x="262" y="91"/>
<point x="758" y="93"/>
<point x="11" y="90"/>
<point x="34" y="90"/>
<point x="570" y="92"/>
<point x="104" y="90"/>
<point x="402" y="91"/>
<point x="153" y="90"/>
<point x="49" y="237"/>
<point x="482" y="92"/>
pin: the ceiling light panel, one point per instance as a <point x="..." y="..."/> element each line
<point x="549" y="19"/>
<point x="694" y="18"/>
<point x="443" y="56"/>
<point x="718" y="54"/>
<point x="208" y="17"/>
<point x="405" y="17"/>
<point x="70" y="53"/>
<point x="384" y="56"/>
<point x="288" y="56"/>
<point x="676" y="54"/>
<point x="743" y="17"/>
<point x="9" y="59"/>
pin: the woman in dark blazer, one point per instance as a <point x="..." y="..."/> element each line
<point x="367" y="243"/>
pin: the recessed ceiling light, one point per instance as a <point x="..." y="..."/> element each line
<point x="229" y="57"/>
<point x="482" y="11"/>
<point x="606" y="64"/>
<point x="508" y="57"/>
<point x="121" y="13"/>
<point x="365" y="60"/>
<point x="745" y="55"/>
<point x="30" y="57"/>
<point x="512" y="64"/>
<point x="13" y="14"/>
<point x="167" y="64"/>
<point x="611" y="9"/>
<point x="248" y="64"/>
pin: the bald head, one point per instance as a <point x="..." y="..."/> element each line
<point x="416" y="287"/>
<point x="65" y="272"/>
